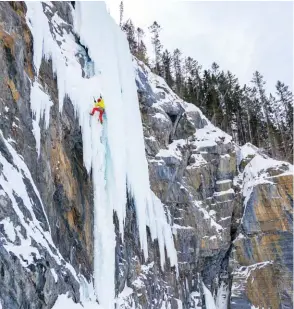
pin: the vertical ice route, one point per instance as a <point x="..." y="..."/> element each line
<point x="119" y="157"/>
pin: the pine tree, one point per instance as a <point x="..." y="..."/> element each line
<point x="192" y="80"/>
<point x="188" y="84"/>
<point x="242" y="115"/>
<point x="188" y="68"/>
<point x="129" y="29"/>
<point x="215" y="72"/>
<point x="231" y="103"/>
<point x="155" y="29"/>
<point x="121" y="13"/>
<point x="197" y="80"/>
<point x="285" y="98"/>
<point x="177" y="61"/>
<point x="279" y="126"/>
<point x="284" y="109"/>
<point x="257" y="119"/>
<point x="245" y="104"/>
<point x="210" y="103"/>
<point x="166" y="66"/>
<point x="141" y="52"/>
<point x="260" y="83"/>
<point x="140" y="35"/>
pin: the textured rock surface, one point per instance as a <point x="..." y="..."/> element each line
<point x="263" y="250"/>
<point x="58" y="174"/>
<point x="236" y="244"/>
<point x="193" y="175"/>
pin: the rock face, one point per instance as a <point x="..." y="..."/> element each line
<point x="229" y="207"/>
<point x="57" y="175"/>
<point x="262" y="252"/>
<point x="192" y="165"/>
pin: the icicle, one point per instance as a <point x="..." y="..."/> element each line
<point x="40" y="105"/>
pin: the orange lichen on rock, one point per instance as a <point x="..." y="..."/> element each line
<point x="19" y="7"/>
<point x="273" y="204"/>
<point x="265" y="242"/>
<point x="12" y="87"/>
<point x="7" y="39"/>
<point x="28" y="56"/>
<point x="61" y="167"/>
<point x="262" y="288"/>
<point x="62" y="170"/>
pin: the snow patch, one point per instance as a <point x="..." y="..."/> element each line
<point x="230" y="191"/>
<point x="248" y="150"/>
<point x="198" y="161"/>
<point x="222" y="297"/>
<point x="179" y="303"/>
<point x="255" y="173"/>
<point x="210" y="136"/>
<point x="54" y="274"/>
<point x="206" y="216"/>
<point x="245" y="271"/>
<point x="64" y="301"/>
<point x="8" y="228"/>
<point x="177" y="227"/>
<point x="223" y="181"/>
<point x="209" y="301"/>
<point x="195" y="300"/>
<point x="160" y="116"/>
<point x="40" y="105"/>
<point x="174" y="150"/>
<point x="124" y="299"/>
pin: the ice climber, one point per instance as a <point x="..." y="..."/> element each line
<point x="99" y="107"/>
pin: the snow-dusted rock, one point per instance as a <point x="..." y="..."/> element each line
<point x="217" y="193"/>
<point x="263" y="248"/>
<point x="218" y="215"/>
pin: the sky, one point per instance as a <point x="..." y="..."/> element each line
<point x="240" y="36"/>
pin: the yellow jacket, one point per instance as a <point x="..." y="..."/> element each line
<point x="100" y="104"/>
